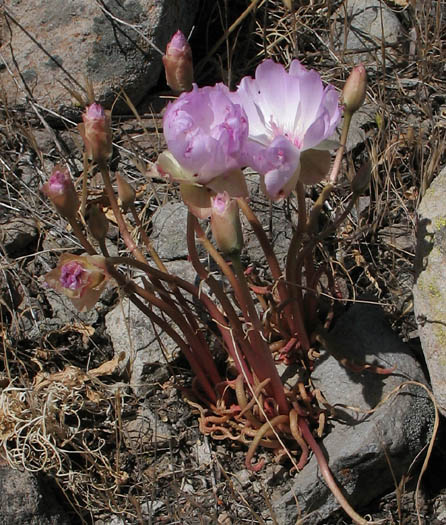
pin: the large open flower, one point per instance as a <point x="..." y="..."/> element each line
<point x="205" y="131"/>
<point x="288" y="114"/>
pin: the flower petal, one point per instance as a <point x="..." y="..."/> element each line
<point x="205" y="131"/>
<point x="279" y="163"/>
<point x="314" y="166"/>
<point x="233" y="182"/>
<point x="197" y="199"/>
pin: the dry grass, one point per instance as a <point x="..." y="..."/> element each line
<point x="56" y="415"/>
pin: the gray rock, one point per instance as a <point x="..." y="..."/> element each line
<point x="398" y="236"/>
<point x="169" y="231"/>
<point x="359" y="444"/>
<point x="17" y="235"/>
<point x="145" y="348"/>
<point x="274" y="221"/>
<point x="430" y="285"/>
<point x="26" y="500"/>
<point x="56" y="43"/>
<point x="356" y="135"/>
<point x="369" y="24"/>
<point x="64" y="311"/>
<point x="146" y="429"/>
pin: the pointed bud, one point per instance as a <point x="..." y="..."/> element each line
<point x="178" y="64"/>
<point x="355" y="89"/>
<point x="361" y="180"/>
<point x="96" y="133"/>
<point x="288" y="4"/>
<point x="97" y="222"/>
<point x="225" y="224"/>
<point x="60" y="190"/>
<point x="82" y="278"/>
<point x="126" y="192"/>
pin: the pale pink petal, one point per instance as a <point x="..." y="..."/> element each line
<point x="280" y="162"/>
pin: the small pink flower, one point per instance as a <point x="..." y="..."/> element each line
<point x="205" y="132"/>
<point x="96" y="133"/>
<point x="80" y="277"/>
<point x="60" y="190"/>
<point x="178" y="63"/>
<point x="288" y="113"/>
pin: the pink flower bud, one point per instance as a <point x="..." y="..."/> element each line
<point x="178" y="63"/>
<point x="80" y="277"/>
<point x="355" y="89"/>
<point x="225" y="224"/>
<point x="96" y="133"/>
<point x="60" y="190"/>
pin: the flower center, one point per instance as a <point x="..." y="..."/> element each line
<point x="57" y="182"/>
<point x="280" y="131"/>
<point x="71" y="275"/>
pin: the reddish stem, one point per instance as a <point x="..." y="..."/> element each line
<point x="327" y="474"/>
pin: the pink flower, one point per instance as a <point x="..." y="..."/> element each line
<point x="60" y="190"/>
<point x="80" y="277"/>
<point x="178" y="63"/>
<point x="288" y="113"/>
<point x="205" y="132"/>
<point x="96" y="133"/>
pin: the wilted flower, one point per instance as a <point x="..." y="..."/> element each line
<point x="96" y="133"/>
<point x="225" y="224"/>
<point x="288" y="113"/>
<point x="178" y="63"/>
<point x="205" y="131"/>
<point x="80" y="277"/>
<point x="60" y="190"/>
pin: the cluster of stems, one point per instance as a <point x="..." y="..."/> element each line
<point x="257" y="322"/>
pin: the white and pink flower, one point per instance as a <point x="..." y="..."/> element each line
<point x="288" y="114"/>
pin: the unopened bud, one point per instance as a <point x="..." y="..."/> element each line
<point x="97" y="222"/>
<point x="126" y="192"/>
<point x="178" y="64"/>
<point x="361" y="180"/>
<point x="355" y="89"/>
<point x="225" y="224"/>
<point x="288" y="4"/>
<point x="60" y="190"/>
<point x="96" y="133"/>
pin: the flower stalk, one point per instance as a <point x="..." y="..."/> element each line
<point x="277" y="123"/>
